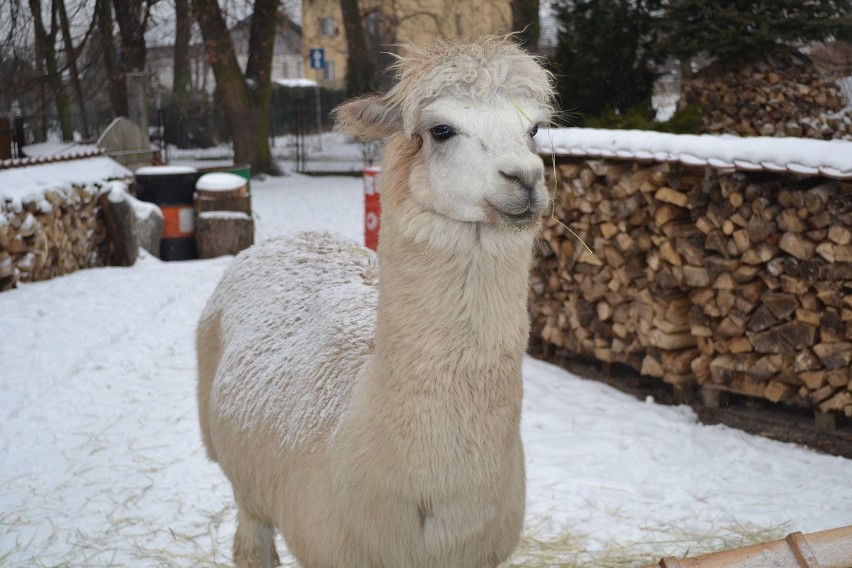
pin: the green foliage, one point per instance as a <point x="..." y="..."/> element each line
<point x="605" y="54"/>
<point x="607" y="50"/>
<point x="733" y="32"/>
<point x="684" y="121"/>
<point x="641" y="117"/>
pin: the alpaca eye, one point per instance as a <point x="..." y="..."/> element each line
<point x="442" y="132"/>
<point x="533" y="130"/>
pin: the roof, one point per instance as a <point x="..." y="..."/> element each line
<point x="799" y="156"/>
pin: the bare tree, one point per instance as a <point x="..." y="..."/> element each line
<point x="117" y="87"/>
<point x="132" y="16"/>
<point x="246" y="97"/>
<point x="182" y="69"/>
<point x="525" y="22"/>
<point x="359" y="64"/>
<point x="71" y="62"/>
<point x="45" y="41"/>
<point x="132" y="19"/>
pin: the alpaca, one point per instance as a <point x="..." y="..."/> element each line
<point x="369" y="413"/>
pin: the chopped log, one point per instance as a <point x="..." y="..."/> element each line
<point x="834" y="355"/>
<point x="669" y="195"/>
<point x="797" y="246"/>
<point x="776" y="391"/>
<point x="219" y="233"/>
<point x="651" y="367"/>
<point x="838" y="402"/>
<point x="120" y="221"/>
<point x="781" y="305"/>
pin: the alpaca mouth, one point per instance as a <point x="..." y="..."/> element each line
<point x="518" y="218"/>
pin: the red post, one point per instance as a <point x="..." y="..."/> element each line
<point x="372" y="206"/>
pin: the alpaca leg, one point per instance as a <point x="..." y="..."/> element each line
<point x="254" y="543"/>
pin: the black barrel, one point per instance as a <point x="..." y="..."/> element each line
<point x="171" y="188"/>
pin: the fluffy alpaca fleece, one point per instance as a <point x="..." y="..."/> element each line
<point x="377" y="425"/>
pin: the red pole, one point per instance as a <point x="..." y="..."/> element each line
<point x="372" y="206"/>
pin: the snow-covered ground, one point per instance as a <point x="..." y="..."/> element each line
<point x="328" y="152"/>
<point x="101" y="461"/>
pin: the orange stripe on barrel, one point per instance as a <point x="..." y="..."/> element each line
<point x="179" y="221"/>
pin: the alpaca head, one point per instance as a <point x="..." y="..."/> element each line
<point x="469" y="112"/>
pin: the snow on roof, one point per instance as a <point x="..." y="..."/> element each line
<point x="164" y="170"/>
<point x="30" y="182"/>
<point x="60" y="150"/>
<point x="800" y="156"/>
<point x="299" y="82"/>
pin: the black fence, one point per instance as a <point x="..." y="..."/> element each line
<point x="25" y="129"/>
<point x="198" y="130"/>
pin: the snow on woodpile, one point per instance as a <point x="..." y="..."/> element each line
<point x="22" y="181"/>
<point x="794" y="155"/>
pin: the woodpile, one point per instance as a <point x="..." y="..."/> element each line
<point x="51" y="235"/>
<point x="776" y="97"/>
<point x="741" y="282"/>
<point x="624" y="302"/>
<point x="775" y="318"/>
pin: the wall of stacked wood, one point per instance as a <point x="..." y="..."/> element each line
<point x="740" y="282"/>
<point x="780" y="96"/>
<point x="51" y="235"/>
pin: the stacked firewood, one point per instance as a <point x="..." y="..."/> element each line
<point x="740" y="282"/>
<point x="776" y="97"/>
<point x="775" y="317"/>
<point x="624" y="300"/>
<point x="55" y="234"/>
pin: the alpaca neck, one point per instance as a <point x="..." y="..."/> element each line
<point x="452" y="314"/>
<point x="452" y="295"/>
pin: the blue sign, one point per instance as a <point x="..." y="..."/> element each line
<point x="317" y="58"/>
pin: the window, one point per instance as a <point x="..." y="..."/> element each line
<point x="373" y="20"/>
<point x="327" y="27"/>
<point x="328" y="71"/>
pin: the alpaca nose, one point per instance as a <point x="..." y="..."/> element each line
<point x="527" y="178"/>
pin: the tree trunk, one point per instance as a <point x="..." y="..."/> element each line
<point x="526" y="24"/>
<point x="247" y="120"/>
<point x="131" y="24"/>
<point x="183" y="29"/>
<point x="71" y="58"/>
<point x="359" y="64"/>
<point x="182" y="69"/>
<point x="131" y="16"/>
<point x="45" y="43"/>
<point x="117" y="88"/>
<point x="259" y="75"/>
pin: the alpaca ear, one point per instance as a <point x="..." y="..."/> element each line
<point x="367" y="118"/>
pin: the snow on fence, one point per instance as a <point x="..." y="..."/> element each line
<point x="717" y="261"/>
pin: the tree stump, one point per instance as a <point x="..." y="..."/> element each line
<point x="120" y="221"/>
<point x="219" y="233"/>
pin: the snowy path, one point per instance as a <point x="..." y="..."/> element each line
<point x="101" y="462"/>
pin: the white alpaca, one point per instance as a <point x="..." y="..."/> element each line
<point x="377" y="425"/>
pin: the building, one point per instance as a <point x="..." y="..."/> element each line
<point x="286" y="61"/>
<point x="390" y="25"/>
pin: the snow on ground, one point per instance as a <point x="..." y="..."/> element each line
<point x="102" y="463"/>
